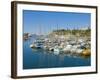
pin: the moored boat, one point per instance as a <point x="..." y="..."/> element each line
<point x="86" y="52"/>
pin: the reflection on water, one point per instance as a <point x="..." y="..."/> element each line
<point x="38" y="58"/>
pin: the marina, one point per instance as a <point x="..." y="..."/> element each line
<point x="56" y="39"/>
<point x="41" y="58"/>
<point x="64" y="44"/>
<point x="52" y="50"/>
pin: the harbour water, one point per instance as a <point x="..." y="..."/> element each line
<point x="39" y="58"/>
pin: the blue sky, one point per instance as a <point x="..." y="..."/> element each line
<point x="37" y="22"/>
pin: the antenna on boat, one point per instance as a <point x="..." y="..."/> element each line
<point x="57" y="29"/>
<point x="40" y="30"/>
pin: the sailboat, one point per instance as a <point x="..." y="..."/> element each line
<point x="38" y="43"/>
